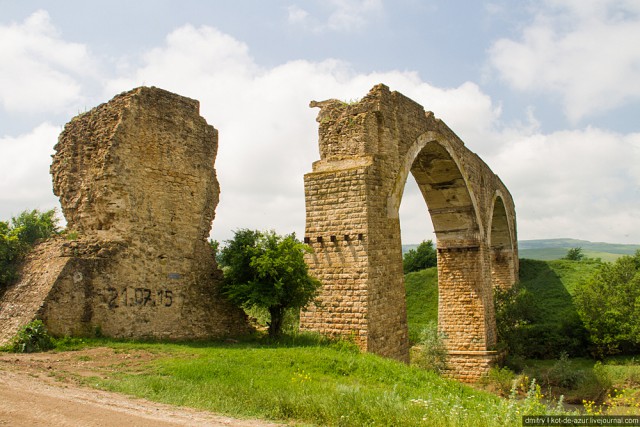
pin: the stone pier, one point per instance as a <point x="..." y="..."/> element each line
<point x="353" y="194"/>
<point x="138" y="189"/>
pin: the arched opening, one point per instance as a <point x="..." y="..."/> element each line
<point x="353" y="196"/>
<point x="421" y="284"/>
<point x="464" y="303"/>
<point x="503" y="270"/>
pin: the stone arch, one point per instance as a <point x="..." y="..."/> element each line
<point x="353" y="194"/>
<point x="503" y="244"/>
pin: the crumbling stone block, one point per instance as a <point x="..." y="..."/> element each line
<point x="137" y="185"/>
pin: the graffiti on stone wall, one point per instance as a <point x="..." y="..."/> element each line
<point x="131" y="297"/>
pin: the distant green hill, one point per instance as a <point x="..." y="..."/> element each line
<point x="549" y="249"/>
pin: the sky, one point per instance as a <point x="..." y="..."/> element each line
<point x="546" y="92"/>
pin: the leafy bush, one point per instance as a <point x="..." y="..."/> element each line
<point x="432" y="352"/>
<point x="34" y="225"/>
<point x="424" y="256"/>
<point x="17" y="237"/>
<point x="564" y="374"/>
<point x="32" y="338"/>
<point x="499" y="380"/>
<point x="609" y="305"/>
<point x="513" y="314"/>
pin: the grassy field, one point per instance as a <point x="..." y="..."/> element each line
<point x="422" y="300"/>
<point x="306" y="381"/>
<point x="313" y="381"/>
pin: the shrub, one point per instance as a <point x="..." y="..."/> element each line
<point x="32" y="338"/>
<point x="574" y="254"/>
<point x="564" y="374"/>
<point x="17" y="237"/>
<point x="424" y="256"/>
<point x="499" y="380"/>
<point x="432" y="352"/>
<point x="513" y="315"/>
<point x="609" y="306"/>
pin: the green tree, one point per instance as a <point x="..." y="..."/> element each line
<point x="268" y="271"/>
<point x="574" y="254"/>
<point x="609" y="305"/>
<point x="424" y="256"/>
<point x="17" y="237"/>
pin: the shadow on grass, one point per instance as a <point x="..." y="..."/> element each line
<point x="552" y="325"/>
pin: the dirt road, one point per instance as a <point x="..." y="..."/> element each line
<point x="44" y="390"/>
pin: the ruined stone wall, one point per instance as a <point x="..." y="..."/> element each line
<point x="368" y="149"/>
<point x="137" y="184"/>
<point x="337" y="226"/>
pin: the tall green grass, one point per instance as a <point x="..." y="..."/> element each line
<point x="422" y="300"/>
<point x="307" y="383"/>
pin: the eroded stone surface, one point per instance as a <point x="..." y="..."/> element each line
<point x="137" y="183"/>
<point x="353" y="194"/>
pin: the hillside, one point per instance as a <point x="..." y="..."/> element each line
<point x="422" y="300"/>
<point x="549" y="249"/>
<point x="554" y="324"/>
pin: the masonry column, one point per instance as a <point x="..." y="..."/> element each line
<point x="465" y="309"/>
<point x="337" y="231"/>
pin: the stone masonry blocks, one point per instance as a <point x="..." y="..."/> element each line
<point x="353" y="193"/>
<point x="137" y="184"/>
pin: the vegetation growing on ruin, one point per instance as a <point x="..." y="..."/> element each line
<point x="18" y="236"/>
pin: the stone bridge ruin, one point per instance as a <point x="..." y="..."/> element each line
<point x="353" y="195"/>
<point x="138" y="189"/>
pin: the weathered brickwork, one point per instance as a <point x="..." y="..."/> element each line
<point x="137" y="183"/>
<point x="353" y="194"/>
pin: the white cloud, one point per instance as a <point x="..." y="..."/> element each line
<point x="296" y="14"/>
<point x="583" y="51"/>
<point x="25" y="182"/>
<point x="39" y="71"/>
<point x="352" y="15"/>
<point x="581" y="184"/>
<point x="574" y="183"/>
<point x="343" y="16"/>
